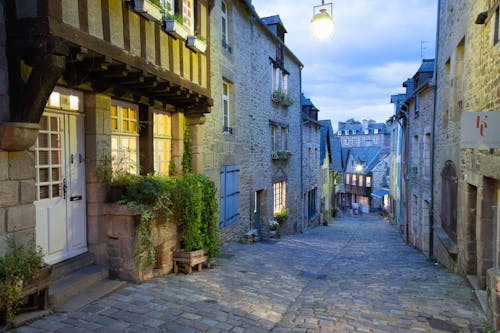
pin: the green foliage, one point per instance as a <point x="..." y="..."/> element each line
<point x="194" y="206"/>
<point x="190" y="200"/>
<point x="150" y="196"/>
<point x="281" y="216"/>
<point x="156" y="2"/>
<point x="18" y="265"/>
<point x="187" y="156"/>
<point x="282" y="98"/>
<point x="283" y="155"/>
<point x="109" y="171"/>
<point x="171" y="167"/>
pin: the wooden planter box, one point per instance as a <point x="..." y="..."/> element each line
<point x="36" y="289"/>
<point x="190" y="259"/>
<point x="196" y="44"/>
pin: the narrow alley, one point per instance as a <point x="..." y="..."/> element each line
<point x="355" y="275"/>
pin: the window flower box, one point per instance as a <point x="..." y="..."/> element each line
<point x="281" y="155"/>
<point x="196" y="44"/>
<point x="176" y="29"/>
<point x="149" y="10"/>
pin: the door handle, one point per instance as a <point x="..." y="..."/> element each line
<point x="75" y="198"/>
<point x="64" y="188"/>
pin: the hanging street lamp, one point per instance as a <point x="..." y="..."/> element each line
<point x="322" y="22"/>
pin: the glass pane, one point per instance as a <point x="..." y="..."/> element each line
<point x="132" y="114"/>
<point x="55" y="142"/>
<point x="43" y="157"/>
<point x="44" y="123"/>
<point x="133" y="127"/>
<point x="54" y="124"/>
<point x="56" y="190"/>
<point x="43" y="175"/>
<point x="124" y="112"/>
<point x="43" y="140"/>
<point x="56" y="174"/>
<point x="114" y="112"/>
<point x="124" y="125"/>
<point x="43" y="191"/>
<point x="56" y="157"/>
<point x="114" y="143"/>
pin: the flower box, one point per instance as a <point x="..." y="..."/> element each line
<point x="148" y="9"/>
<point x="196" y="44"/>
<point x="176" y="29"/>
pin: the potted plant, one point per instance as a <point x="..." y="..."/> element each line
<point x="276" y="96"/>
<point x="174" y="26"/>
<point x="197" y="43"/>
<point x="286" y="100"/>
<point x="150" y="9"/>
<point x="281" y="216"/>
<point x="115" y="175"/>
<point x="22" y="273"/>
<point x="274" y="229"/>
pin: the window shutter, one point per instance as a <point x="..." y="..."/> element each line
<point x="229" y="195"/>
<point x="222" y="196"/>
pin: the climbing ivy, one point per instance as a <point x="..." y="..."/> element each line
<point x="187" y="156"/>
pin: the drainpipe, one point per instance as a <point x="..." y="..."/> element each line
<point x="433" y="142"/>
<point x="301" y="229"/>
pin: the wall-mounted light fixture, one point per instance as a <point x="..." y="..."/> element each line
<point x="322" y="22"/>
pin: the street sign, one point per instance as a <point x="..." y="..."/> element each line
<point x="480" y="130"/>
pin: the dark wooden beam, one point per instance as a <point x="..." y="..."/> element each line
<point x="30" y="104"/>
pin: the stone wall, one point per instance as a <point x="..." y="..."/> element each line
<point x="311" y="168"/>
<point x="247" y="70"/>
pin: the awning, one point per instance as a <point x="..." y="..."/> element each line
<point x="379" y="194"/>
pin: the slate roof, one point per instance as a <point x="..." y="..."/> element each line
<point x="275" y="19"/>
<point x="369" y="156"/>
<point x="427" y="66"/>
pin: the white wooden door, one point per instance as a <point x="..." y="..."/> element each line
<point x="60" y="185"/>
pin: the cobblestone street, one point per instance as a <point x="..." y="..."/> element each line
<point x="355" y="275"/>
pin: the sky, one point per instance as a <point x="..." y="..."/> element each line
<point x="377" y="45"/>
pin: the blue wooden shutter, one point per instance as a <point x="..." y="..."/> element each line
<point x="229" y="195"/>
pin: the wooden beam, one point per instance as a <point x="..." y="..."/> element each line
<point x="31" y="102"/>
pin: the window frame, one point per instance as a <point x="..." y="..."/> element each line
<point x="225" y="26"/>
<point x="279" y="196"/>
<point x="119" y="161"/>
<point x="226" y="112"/>
<point x="163" y="137"/>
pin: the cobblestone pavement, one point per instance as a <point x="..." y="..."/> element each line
<point x="355" y="275"/>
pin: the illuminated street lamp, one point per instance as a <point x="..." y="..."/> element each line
<point x="359" y="167"/>
<point x="322" y="21"/>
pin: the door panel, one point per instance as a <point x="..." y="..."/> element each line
<point x="60" y="183"/>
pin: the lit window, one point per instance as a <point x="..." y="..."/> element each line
<point x="368" y="181"/>
<point x="226" y="108"/>
<point x="162" y="140"/>
<point x="188" y="15"/>
<point x="354" y="180"/>
<point x="124" y="137"/>
<point x="279" y="190"/>
<point x="360" y="180"/>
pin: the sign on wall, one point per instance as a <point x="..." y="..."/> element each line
<point x="480" y="130"/>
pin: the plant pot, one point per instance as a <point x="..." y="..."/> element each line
<point x="148" y="9"/>
<point x="176" y="29"/>
<point x="190" y="259"/>
<point x="18" y="136"/>
<point x="196" y="44"/>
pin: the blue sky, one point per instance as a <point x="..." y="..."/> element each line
<point x="376" y="46"/>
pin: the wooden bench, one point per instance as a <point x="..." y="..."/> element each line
<point x="190" y="259"/>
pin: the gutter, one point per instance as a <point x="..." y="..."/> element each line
<point x="433" y="142"/>
<point x="302" y="206"/>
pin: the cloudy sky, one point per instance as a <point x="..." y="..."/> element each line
<point x="377" y="45"/>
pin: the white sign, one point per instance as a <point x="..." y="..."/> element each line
<point x="480" y="130"/>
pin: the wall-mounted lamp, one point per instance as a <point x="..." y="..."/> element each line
<point x="322" y="22"/>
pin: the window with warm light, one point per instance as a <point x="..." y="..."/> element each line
<point x="279" y="190"/>
<point x="368" y="181"/>
<point x="124" y="137"/>
<point x="226" y="108"/>
<point x="162" y="141"/>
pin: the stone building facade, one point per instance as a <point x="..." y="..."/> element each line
<point x="416" y="115"/>
<point x="466" y="191"/>
<point x="251" y="142"/>
<point x="117" y="85"/>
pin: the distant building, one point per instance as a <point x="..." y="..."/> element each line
<point x="311" y="176"/>
<point x="363" y="145"/>
<point x="329" y="170"/>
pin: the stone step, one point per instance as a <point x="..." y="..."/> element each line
<point x="482" y="296"/>
<point x="472" y="279"/>
<point x="66" y="267"/>
<point x="74" y="283"/>
<point x="90" y="294"/>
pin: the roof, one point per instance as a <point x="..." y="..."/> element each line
<point x="275" y="19"/>
<point x="304" y="101"/>
<point x="427" y="66"/>
<point x="368" y="156"/>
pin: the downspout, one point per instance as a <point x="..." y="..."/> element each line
<point x="433" y="142"/>
<point x="301" y="229"/>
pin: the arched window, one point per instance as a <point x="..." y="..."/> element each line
<point x="449" y="187"/>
